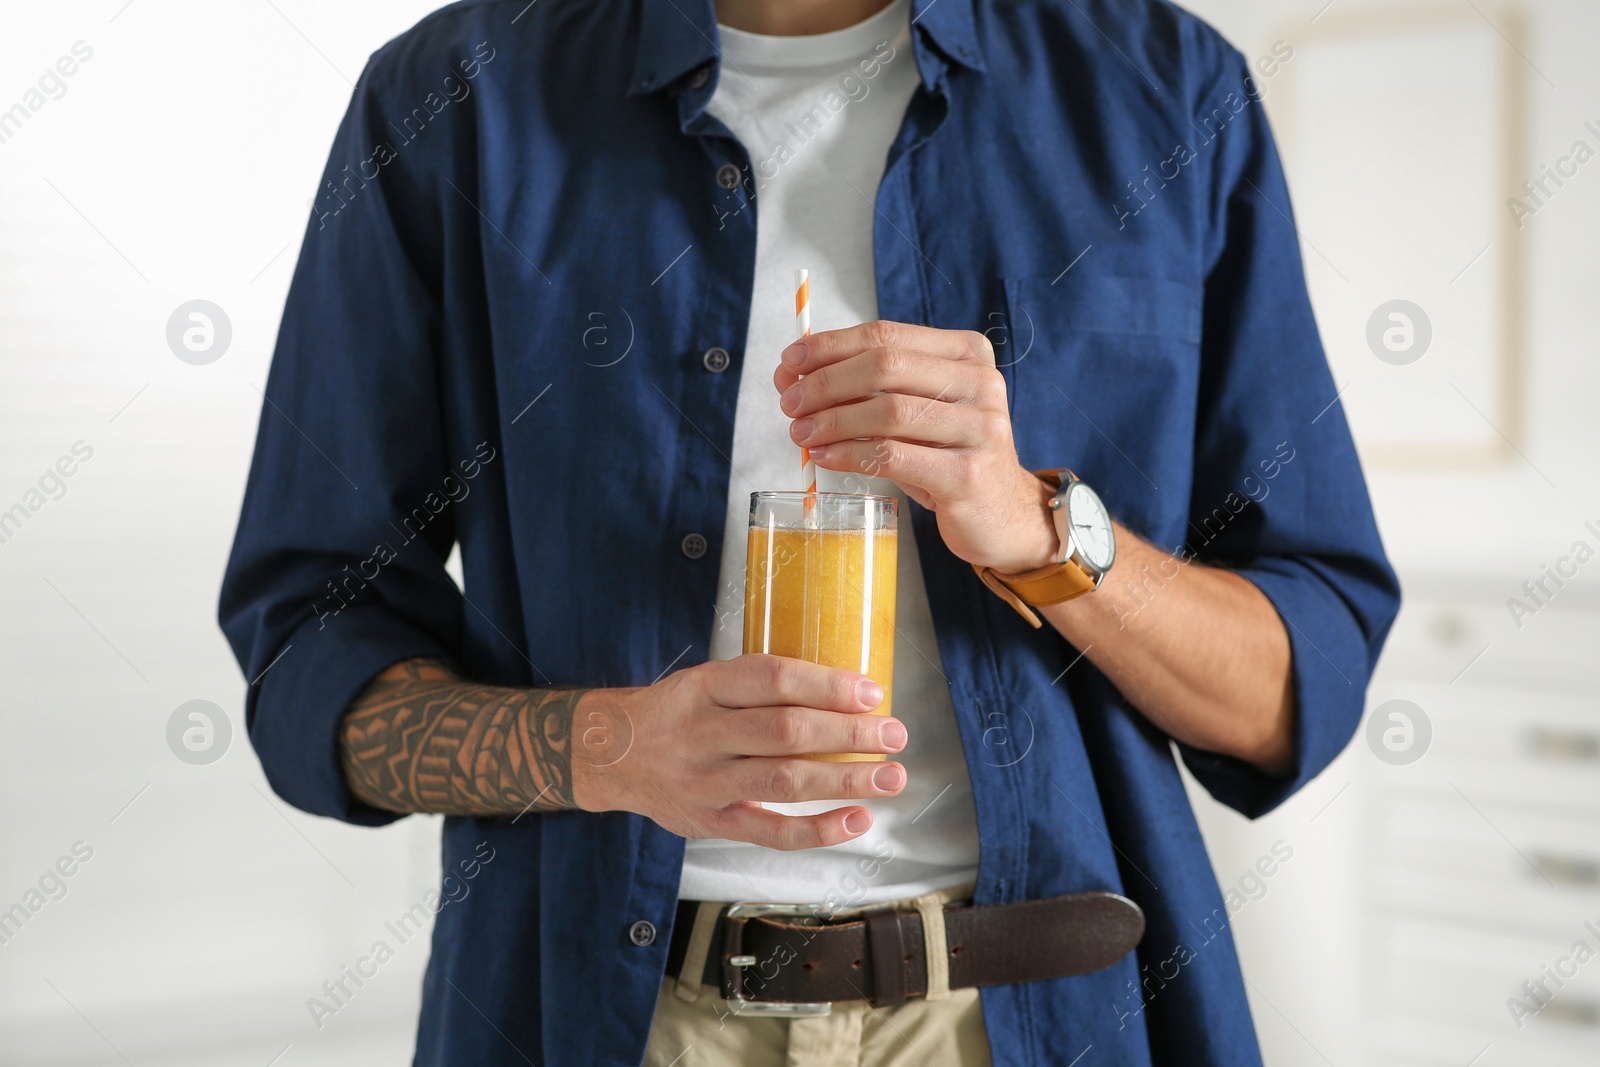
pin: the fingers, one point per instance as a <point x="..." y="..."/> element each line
<point x="791" y="780"/>
<point x="883" y="370"/>
<point x="750" y="822"/>
<point x="942" y="473"/>
<point x="761" y="681"/>
<point x="819" y="350"/>
<point x="793" y="731"/>
<point x="907" y="418"/>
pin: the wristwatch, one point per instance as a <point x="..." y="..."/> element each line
<point x="1088" y="548"/>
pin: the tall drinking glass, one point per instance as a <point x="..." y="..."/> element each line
<point x="820" y="585"/>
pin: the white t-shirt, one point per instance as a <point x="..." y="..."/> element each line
<point x="817" y="115"/>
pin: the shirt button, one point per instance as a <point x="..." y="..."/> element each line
<point x="728" y="176"/>
<point x="694" y="546"/>
<point x="698" y="79"/>
<point x="716" y="359"/>
<point x="642" y="933"/>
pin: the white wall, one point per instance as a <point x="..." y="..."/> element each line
<point x="177" y="166"/>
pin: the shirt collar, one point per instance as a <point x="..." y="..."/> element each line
<point x="676" y="36"/>
<point x="952" y="25"/>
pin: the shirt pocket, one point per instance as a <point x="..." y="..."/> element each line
<point x="1102" y="374"/>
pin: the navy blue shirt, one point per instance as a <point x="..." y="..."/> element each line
<point x="520" y="194"/>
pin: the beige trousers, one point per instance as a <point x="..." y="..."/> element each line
<point x="694" y="1027"/>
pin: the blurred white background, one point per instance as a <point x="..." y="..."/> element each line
<point x="1424" y="885"/>
<point x="176" y="166"/>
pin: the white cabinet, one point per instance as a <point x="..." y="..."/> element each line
<point x="1480" y="861"/>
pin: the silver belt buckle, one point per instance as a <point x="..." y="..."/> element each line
<point x="754" y="909"/>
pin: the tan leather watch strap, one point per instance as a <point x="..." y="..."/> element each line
<point x="1054" y="583"/>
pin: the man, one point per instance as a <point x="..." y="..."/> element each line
<point x="544" y="313"/>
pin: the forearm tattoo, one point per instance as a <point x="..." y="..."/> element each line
<point x="429" y="741"/>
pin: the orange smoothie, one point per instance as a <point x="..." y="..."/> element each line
<point x="829" y="600"/>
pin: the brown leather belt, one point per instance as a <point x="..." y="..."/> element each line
<point x="879" y="956"/>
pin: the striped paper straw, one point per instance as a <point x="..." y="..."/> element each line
<point x="802" y="326"/>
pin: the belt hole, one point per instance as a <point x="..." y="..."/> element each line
<point x="908" y="957"/>
<point x="808" y="966"/>
<point x="857" y="963"/>
<point x="955" y="950"/>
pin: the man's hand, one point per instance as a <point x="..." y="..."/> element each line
<point x="698" y="751"/>
<point x="701" y="749"/>
<point x="1209" y="662"/>
<point x="927" y="409"/>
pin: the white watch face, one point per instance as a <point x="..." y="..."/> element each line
<point x="1091" y="527"/>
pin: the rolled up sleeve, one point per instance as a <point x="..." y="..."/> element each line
<point x="335" y="573"/>
<point x="1279" y="496"/>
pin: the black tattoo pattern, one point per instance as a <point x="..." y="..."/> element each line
<point x="421" y="739"/>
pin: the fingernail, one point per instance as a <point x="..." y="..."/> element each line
<point x="802" y="428"/>
<point x="795" y="354"/>
<point x="857" y="822"/>
<point x="888" y="777"/>
<point x="869" y="693"/>
<point x="893" y="735"/>
<point x="790" y="398"/>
